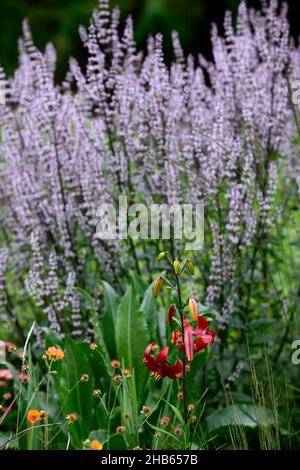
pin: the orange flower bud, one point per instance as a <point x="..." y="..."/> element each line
<point x="84" y="378"/>
<point x="120" y="429"/>
<point x="193" y="308"/>
<point x="177" y="431"/>
<point x="71" y="418"/>
<point x="146" y="410"/>
<point x="157" y="286"/>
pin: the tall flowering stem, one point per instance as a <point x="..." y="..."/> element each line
<point x="181" y="307"/>
<point x="190" y="337"/>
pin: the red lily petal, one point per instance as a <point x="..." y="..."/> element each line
<point x="204" y="340"/>
<point x="175" y="371"/>
<point x="149" y="357"/>
<point x="177" y="339"/>
<point x="149" y="365"/>
<point x="189" y="342"/>
<point x="202" y="326"/>
<point x="207" y="339"/>
<point x="162" y="356"/>
<point x="200" y="345"/>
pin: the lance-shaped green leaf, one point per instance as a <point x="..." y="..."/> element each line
<point x="132" y="338"/>
<point x="109" y="317"/>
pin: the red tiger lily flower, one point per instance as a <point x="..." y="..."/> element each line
<point x="159" y="365"/>
<point x="203" y="334"/>
<point x="195" y="339"/>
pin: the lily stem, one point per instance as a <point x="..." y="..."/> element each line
<point x="183" y="357"/>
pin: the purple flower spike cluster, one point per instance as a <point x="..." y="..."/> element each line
<point x="219" y="133"/>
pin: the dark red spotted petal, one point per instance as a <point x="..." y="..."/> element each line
<point x="173" y="372"/>
<point x="200" y="345"/>
<point x="149" y="365"/>
<point x="162" y="356"/>
<point x="202" y="326"/>
<point x="148" y="356"/>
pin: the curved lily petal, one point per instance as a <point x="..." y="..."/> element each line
<point x="175" y="371"/>
<point x="148" y="356"/>
<point x="162" y="356"/>
<point x="202" y="326"/>
<point x="189" y="342"/>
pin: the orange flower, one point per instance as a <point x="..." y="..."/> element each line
<point x="33" y="416"/>
<point x="96" y="445"/>
<point x="55" y="354"/>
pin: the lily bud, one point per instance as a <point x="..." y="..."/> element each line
<point x="190" y="267"/>
<point x="193" y="308"/>
<point x="176" y="266"/>
<point x="157" y="286"/>
<point x="161" y="255"/>
<point x="171" y="313"/>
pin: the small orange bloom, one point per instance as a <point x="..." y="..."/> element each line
<point x="165" y="421"/>
<point x="146" y="410"/>
<point x="117" y="378"/>
<point x="120" y="429"/>
<point x="11" y="347"/>
<point x="7" y="396"/>
<point x="55" y="354"/>
<point x="177" y="431"/>
<point x="33" y="416"/>
<point x="84" y="378"/>
<point x="96" y="445"/>
<point x="71" y="418"/>
<point x="115" y="364"/>
<point x="127" y="373"/>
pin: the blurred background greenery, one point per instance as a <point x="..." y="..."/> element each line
<point x="58" y="21"/>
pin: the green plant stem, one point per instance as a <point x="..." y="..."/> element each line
<point x="46" y="443"/>
<point x="183" y="357"/>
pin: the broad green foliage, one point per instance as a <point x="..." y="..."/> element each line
<point x="132" y="338"/>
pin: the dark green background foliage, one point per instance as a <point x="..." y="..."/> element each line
<point x="58" y="21"/>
